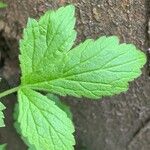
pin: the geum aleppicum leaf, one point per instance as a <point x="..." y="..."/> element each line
<point x="45" y="43"/>
<point x="2" y="107"/>
<point x="44" y="124"/>
<point x="93" y="69"/>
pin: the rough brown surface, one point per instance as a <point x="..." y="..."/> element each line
<point x="118" y="123"/>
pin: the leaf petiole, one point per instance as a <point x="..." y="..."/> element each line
<point x="10" y="91"/>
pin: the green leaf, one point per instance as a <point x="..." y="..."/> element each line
<point x="2" y="107"/>
<point x="51" y="97"/>
<point x="97" y="68"/>
<point x="60" y="104"/>
<point x="93" y="69"/>
<point x="3" y="147"/>
<point x="3" y="5"/>
<point x="18" y="129"/>
<point x="45" y="42"/>
<point x="44" y="124"/>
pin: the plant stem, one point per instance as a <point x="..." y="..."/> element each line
<point x="10" y="91"/>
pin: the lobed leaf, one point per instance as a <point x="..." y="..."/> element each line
<point x="93" y="69"/>
<point x="45" y="42"/>
<point x="97" y="68"/>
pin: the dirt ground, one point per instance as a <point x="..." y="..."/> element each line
<point x="121" y="122"/>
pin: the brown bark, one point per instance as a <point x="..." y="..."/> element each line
<point x="121" y="122"/>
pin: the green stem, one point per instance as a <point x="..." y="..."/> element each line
<point x="10" y="91"/>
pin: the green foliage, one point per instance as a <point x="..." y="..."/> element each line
<point x="93" y="69"/>
<point x="51" y="97"/>
<point x="17" y="126"/>
<point x="44" y="124"/>
<point x="60" y="104"/>
<point x="3" y="5"/>
<point x="2" y="107"/>
<point x="3" y="147"/>
<point x="45" y="43"/>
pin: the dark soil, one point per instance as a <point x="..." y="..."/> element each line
<point x="121" y="122"/>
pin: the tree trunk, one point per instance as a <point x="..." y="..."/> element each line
<point x="120" y="122"/>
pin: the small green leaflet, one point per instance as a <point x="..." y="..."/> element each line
<point x="3" y="5"/>
<point x="93" y="69"/>
<point x="50" y="97"/>
<point x="3" y="147"/>
<point x="44" y="42"/>
<point x="44" y="124"/>
<point x="2" y="107"/>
